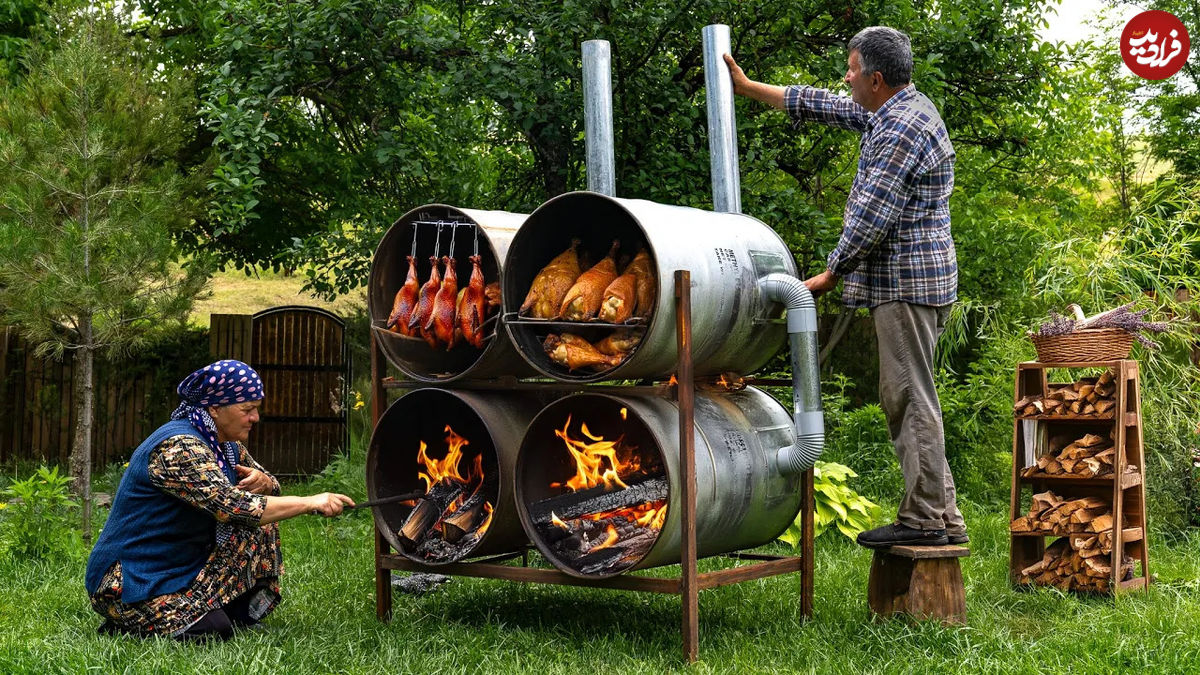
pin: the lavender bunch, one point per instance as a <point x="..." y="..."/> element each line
<point x="1057" y="325"/>
<point x="1132" y="322"/>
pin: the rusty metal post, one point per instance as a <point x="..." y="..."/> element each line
<point x="685" y="392"/>
<point x="383" y="577"/>
<point x="806" y="545"/>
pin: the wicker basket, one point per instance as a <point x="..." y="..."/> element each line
<point x="1089" y="344"/>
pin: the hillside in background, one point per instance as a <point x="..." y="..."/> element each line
<point x="233" y="292"/>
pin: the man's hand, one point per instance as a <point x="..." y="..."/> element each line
<point x="329" y="504"/>
<point x="740" y="82"/>
<point x="770" y="94"/>
<point x="818" y="285"/>
<point x="253" y="480"/>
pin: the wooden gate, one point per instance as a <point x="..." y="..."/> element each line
<point x="301" y="355"/>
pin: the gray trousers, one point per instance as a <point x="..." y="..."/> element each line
<point x="907" y="334"/>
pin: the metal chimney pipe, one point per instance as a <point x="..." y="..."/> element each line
<point x="722" y="123"/>
<point x="597" y="117"/>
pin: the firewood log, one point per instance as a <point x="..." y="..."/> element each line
<point x="1101" y="523"/>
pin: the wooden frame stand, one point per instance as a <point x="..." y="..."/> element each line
<point x="1124" y="488"/>
<point x="690" y="582"/>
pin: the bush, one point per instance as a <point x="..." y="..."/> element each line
<point x="38" y="523"/>
<point x="858" y="438"/>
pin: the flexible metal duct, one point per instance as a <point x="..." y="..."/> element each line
<point x="742" y="501"/>
<point x="389" y="268"/>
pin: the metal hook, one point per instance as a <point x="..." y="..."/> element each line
<point x="476" y="251"/>
<point x="453" y="231"/>
<point x="414" y="244"/>
<point x="437" y="244"/>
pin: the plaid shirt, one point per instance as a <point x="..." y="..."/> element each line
<point x="895" y="242"/>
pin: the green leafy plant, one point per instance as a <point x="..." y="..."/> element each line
<point x="836" y="505"/>
<point x="36" y="520"/>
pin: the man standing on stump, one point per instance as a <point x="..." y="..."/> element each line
<point x="895" y="257"/>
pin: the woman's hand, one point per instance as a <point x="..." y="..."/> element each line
<point x="253" y="480"/>
<point x="329" y="504"/>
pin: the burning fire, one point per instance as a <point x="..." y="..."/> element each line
<point x="447" y="468"/>
<point x="597" y="463"/>
<point x="610" y="538"/>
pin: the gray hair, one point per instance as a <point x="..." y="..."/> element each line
<point x="886" y="50"/>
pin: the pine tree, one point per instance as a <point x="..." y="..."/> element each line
<point x="89" y="199"/>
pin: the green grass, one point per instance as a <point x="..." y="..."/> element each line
<point x="327" y="624"/>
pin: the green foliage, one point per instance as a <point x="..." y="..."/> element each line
<point x="36" y="517"/>
<point x="836" y="505"/>
<point x="857" y="436"/>
<point x="90" y="195"/>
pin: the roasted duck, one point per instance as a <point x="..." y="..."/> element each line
<point x="441" y="320"/>
<point x="646" y="282"/>
<point x="473" y="308"/>
<point x="492" y="293"/>
<point x="575" y="352"/>
<point x="551" y="285"/>
<point x="406" y="300"/>
<point x="584" y="298"/>
<point x="619" y="299"/>
<point x="619" y="343"/>
<point x="424" y="310"/>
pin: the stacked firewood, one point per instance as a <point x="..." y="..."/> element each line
<point x="1090" y="456"/>
<point x="1054" y="515"/>
<point x="1077" y="564"/>
<point x="1087" y="396"/>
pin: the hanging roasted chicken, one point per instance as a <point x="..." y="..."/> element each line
<point x="646" y="282"/>
<point x="406" y="300"/>
<point x="620" y="298"/>
<point x="550" y="286"/>
<point x="472" y="309"/>
<point x="575" y="352"/>
<point x="584" y="298"/>
<point x="420" y="317"/>
<point x="441" y="319"/>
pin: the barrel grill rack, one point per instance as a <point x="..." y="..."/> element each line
<point x="516" y="566"/>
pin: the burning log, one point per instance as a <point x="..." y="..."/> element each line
<point x="572" y="505"/>
<point x="419" y="521"/>
<point x="458" y="524"/>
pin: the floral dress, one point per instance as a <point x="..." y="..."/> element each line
<point x="184" y="467"/>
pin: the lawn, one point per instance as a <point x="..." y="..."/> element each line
<point x="327" y="621"/>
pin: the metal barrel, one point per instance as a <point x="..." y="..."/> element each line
<point x="389" y="269"/>
<point x="742" y="499"/>
<point x="492" y="422"/>
<point x="735" y="327"/>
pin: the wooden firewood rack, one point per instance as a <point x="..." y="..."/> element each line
<point x="1127" y="491"/>
<point x="691" y="581"/>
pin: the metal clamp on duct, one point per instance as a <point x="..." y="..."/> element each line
<point x="806" y="385"/>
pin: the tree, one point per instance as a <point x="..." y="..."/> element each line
<point x="89" y="200"/>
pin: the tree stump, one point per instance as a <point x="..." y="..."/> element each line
<point x="920" y="582"/>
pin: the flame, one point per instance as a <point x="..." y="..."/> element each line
<point x="555" y="520"/>
<point x="487" y="521"/>
<point x="646" y="514"/>
<point x="723" y="382"/>
<point x="591" y="459"/>
<point x="611" y="539"/>
<point x="625" y="415"/>
<point x="447" y="468"/>
<point x="672" y="382"/>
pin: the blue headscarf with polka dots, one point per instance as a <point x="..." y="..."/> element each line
<point x="217" y="384"/>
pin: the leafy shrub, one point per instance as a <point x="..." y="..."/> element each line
<point x="835" y="504"/>
<point x="38" y="523"/>
<point x="858" y="438"/>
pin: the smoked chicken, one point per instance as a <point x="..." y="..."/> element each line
<point x="492" y="293"/>
<point x="441" y="319"/>
<point x="575" y="352"/>
<point x="619" y="343"/>
<point x="473" y="308"/>
<point x="584" y="298"/>
<point x="551" y="285"/>
<point x="406" y="299"/>
<point x="640" y="267"/>
<point x="619" y="299"/>
<point x="423" y="312"/>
